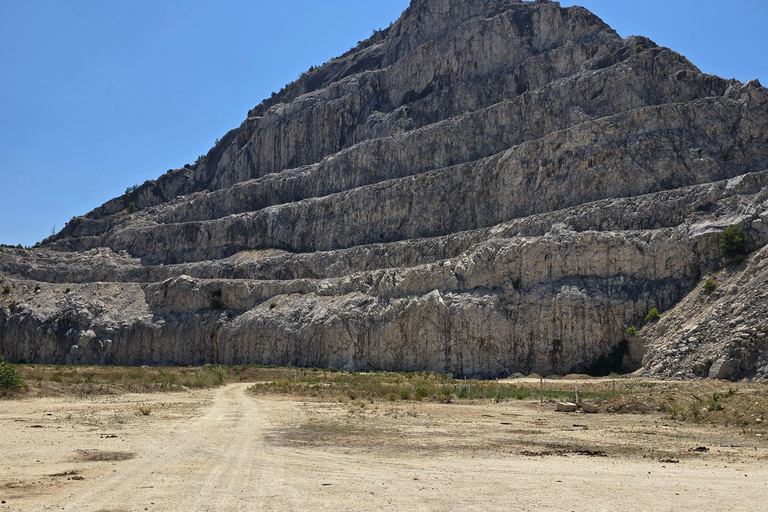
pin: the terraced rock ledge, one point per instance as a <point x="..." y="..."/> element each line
<point x="486" y="187"/>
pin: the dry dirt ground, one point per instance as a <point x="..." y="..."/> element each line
<point x="227" y="449"/>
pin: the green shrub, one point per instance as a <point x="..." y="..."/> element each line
<point x="216" y="299"/>
<point x="632" y="331"/>
<point x="714" y="404"/>
<point x="732" y="243"/>
<point x="131" y="190"/>
<point x="37" y="287"/>
<point x="272" y="305"/>
<point x="6" y="290"/>
<point x="207" y="377"/>
<point x="132" y="208"/>
<point x="653" y="315"/>
<point x="710" y="284"/>
<point x="639" y="48"/>
<point x="200" y="159"/>
<point x="67" y="290"/>
<point x="9" y="377"/>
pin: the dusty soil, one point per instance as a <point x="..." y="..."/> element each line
<point x="227" y="449"/>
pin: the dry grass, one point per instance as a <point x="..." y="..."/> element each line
<point x="51" y="380"/>
<point x="740" y="405"/>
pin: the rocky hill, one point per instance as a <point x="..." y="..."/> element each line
<point x="485" y="187"/>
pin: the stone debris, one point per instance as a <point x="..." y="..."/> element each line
<point x="566" y="407"/>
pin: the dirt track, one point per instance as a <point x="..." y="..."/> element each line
<point x="228" y="450"/>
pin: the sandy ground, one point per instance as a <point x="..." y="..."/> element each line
<point x="229" y="450"/>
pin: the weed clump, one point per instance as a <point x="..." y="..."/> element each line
<point x="207" y="377"/>
<point x="10" y="379"/>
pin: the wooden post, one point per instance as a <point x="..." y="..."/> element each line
<point x="497" y="390"/>
<point x="541" y="390"/>
<point x="577" y="392"/>
<point x="614" y="389"/>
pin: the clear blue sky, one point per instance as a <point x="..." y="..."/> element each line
<point x="98" y="95"/>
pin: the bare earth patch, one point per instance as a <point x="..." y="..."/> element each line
<point x="228" y="449"/>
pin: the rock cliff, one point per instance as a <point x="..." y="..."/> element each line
<point x="485" y="187"/>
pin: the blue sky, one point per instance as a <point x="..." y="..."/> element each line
<point x="98" y="95"/>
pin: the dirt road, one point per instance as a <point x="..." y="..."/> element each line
<point x="227" y="450"/>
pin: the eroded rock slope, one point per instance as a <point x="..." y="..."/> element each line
<point x="485" y="187"/>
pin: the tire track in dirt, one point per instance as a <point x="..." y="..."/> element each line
<point x="212" y="463"/>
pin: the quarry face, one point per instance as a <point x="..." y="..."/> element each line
<point x="486" y="187"/>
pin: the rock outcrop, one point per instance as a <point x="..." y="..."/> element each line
<point x="485" y="187"/>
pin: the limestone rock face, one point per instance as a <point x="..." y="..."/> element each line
<point x="486" y="187"/>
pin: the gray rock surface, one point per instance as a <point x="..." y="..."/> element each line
<point x="486" y="187"/>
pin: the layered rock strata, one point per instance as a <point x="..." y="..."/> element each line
<point x="486" y="187"/>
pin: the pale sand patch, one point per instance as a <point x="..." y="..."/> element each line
<point x="225" y="449"/>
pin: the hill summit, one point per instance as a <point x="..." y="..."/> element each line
<point x="485" y="187"/>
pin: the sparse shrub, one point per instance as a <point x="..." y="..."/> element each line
<point x="732" y="243"/>
<point x="145" y="410"/>
<point x="37" y="287"/>
<point x="730" y="393"/>
<point x="632" y="331"/>
<point x="206" y="377"/>
<point x="200" y="159"/>
<point x="714" y="405"/>
<point x="10" y="379"/>
<point x="216" y="299"/>
<point x="272" y="305"/>
<point x="131" y="190"/>
<point x="639" y="48"/>
<point x="67" y="290"/>
<point x="405" y="394"/>
<point x="422" y="392"/>
<point x="56" y="377"/>
<point x="132" y="208"/>
<point x="6" y="290"/>
<point x="653" y="315"/>
<point x="710" y="284"/>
